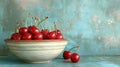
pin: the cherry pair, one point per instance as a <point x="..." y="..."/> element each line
<point x="73" y="56"/>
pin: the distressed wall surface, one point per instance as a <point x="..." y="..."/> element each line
<point x="92" y="24"/>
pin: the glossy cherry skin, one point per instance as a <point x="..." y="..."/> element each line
<point x="16" y="36"/>
<point x="26" y="36"/>
<point x="23" y="30"/>
<point x="75" y="57"/>
<point x="58" y="31"/>
<point x="51" y="35"/>
<point x="45" y="33"/>
<point x="33" y="30"/>
<point x="67" y="55"/>
<point x="59" y="36"/>
<point x="38" y="36"/>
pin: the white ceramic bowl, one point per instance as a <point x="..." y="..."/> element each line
<point x="36" y="51"/>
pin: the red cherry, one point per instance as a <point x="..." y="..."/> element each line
<point x="59" y="36"/>
<point x="26" y="36"/>
<point x="67" y="55"/>
<point x="38" y="36"/>
<point x="58" y="31"/>
<point x="23" y="30"/>
<point x="75" y="57"/>
<point x="16" y="36"/>
<point x="33" y="30"/>
<point x="45" y="33"/>
<point x="52" y="35"/>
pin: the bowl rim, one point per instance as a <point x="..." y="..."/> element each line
<point x="47" y="40"/>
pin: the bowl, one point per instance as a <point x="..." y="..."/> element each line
<point x="36" y="51"/>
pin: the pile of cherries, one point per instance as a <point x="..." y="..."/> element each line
<point x="74" y="57"/>
<point x="34" y="33"/>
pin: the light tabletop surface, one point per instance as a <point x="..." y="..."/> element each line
<point x="86" y="61"/>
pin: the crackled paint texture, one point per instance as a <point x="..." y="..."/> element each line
<point x="92" y="24"/>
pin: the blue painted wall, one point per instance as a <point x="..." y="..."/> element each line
<point x="92" y="24"/>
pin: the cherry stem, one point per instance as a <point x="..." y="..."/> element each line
<point x="17" y="27"/>
<point x="26" y="22"/>
<point x="42" y="26"/>
<point x="36" y="20"/>
<point x="42" y="20"/>
<point x="32" y="20"/>
<point x="74" y="47"/>
<point x="48" y="25"/>
<point x="55" y="26"/>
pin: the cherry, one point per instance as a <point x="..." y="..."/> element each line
<point x="45" y="33"/>
<point x="58" y="31"/>
<point x="38" y="36"/>
<point x="52" y="35"/>
<point x="16" y="36"/>
<point x="67" y="55"/>
<point x="23" y="30"/>
<point x="26" y="36"/>
<point x="75" y="57"/>
<point x="33" y="29"/>
<point x="59" y="36"/>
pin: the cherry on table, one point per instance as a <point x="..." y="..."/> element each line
<point x="75" y="57"/>
<point x="26" y="36"/>
<point x="67" y="55"/>
<point x="16" y="36"/>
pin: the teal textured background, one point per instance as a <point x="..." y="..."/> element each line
<point x="92" y="24"/>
